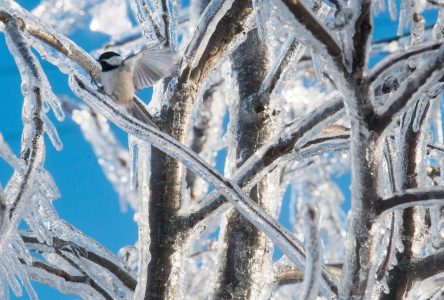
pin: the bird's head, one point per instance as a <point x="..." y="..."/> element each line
<point x="110" y="60"/>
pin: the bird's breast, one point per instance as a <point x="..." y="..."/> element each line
<point x="118" y="84"/>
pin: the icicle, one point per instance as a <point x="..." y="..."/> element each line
<point x="53" y="102"/>
<point x="405" y="16"/>
<point x="438" y="28"/>
<point x="378" y="6"/>
<point x="47" y="186"/>
<point x="13" y="283"/>
<point x="51" y="131"/>
<point x="381" y="5"/>
<point x="318" y="66"/>
<point x="130" y="255"/>
<point x="392" y="9"/>
<point x="418" y="28"/>
<point x="23" y="276"/>
<point x="173" y="20"/>
<point x="151" y="30"/>
<point x="384" y="286"/>
<point x="258" y="8"/>
<point x="422" y="104"/>
<point x="142" y="219"/>
<point x="133" y="153"/>
<point x="8" y="156"/>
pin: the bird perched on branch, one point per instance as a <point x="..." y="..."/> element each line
<point x="121" y="77"/>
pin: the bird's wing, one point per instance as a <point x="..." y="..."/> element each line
<point x="150" y="65"/>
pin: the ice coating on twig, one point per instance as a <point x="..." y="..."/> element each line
<point x="206" y="26"/>
<point x="310" y="285"/>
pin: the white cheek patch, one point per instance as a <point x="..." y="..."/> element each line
<point x="114" y="61"/>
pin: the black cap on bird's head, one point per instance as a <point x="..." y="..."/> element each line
<point x="110" y="60"/>
<point x="107" y="55"/>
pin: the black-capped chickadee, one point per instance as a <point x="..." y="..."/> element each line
<point x="122" y="77"/>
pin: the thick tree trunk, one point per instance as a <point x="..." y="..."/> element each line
<point x="407" y="171"/>
<point x="245" y="257"/>
<point x="167" y="247"/>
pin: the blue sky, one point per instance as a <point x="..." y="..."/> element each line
<point x="88" y="201"/>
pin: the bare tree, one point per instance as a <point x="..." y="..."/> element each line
<point x="304" y="106"/>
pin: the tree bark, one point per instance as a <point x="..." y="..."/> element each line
<point x="168" y="247"/>
<point x="245" y="257"/>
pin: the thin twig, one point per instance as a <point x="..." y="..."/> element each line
<point x="413" y="197"/>
<point x="397" y="58"/>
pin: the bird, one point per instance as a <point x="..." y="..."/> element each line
<point x="121" y="77"/>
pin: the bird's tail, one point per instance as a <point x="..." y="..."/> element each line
<point x="139" y="111"/>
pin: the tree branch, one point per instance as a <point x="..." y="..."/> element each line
<point x="60" y="245"/>
<point x="32" y="146"/>
<point x="55" y="40"/>
<point x="412" y="197"/>
<point x="36" y="274"/>
<point x="316" y="34"/>
<point x="395" y="59"/>
<point x="250" y="210"/>
<point x="423" y="268"/>
<point x="313" y="266"/>
<point x="361" y="40"/>
<point x="411" y="90"/>
<point x="270" y="153"/>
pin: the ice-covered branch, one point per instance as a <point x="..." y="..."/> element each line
<point x="292" y="51"/>
<point x="423" y="268"/>
<point x="206" y="26"/>
<point x="33" y="148"/>
<point x="250" y="210"/>
<point x="70" y="247"/>
<point x="413" y="197"/>
<point x="207" y="133"/>
<point x="411" y="89"/>
<point x="147" y="19"/>
<point x="105" y="294"/>
<point x="397" y="58"/>
<point x="55" y="277"/>
<point x="313" y="265"/>
<point x="251" y="124"/>
<point x="31" y="25"/>
<point x="314" y="34"/>
<point x="214" y="203"/>
<point x="225" y="30"/>
<point x="284" y="144"/>
<point x="288" y="275"/>
<point x="361" y="39"/>
<point x="325" y="144"/>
